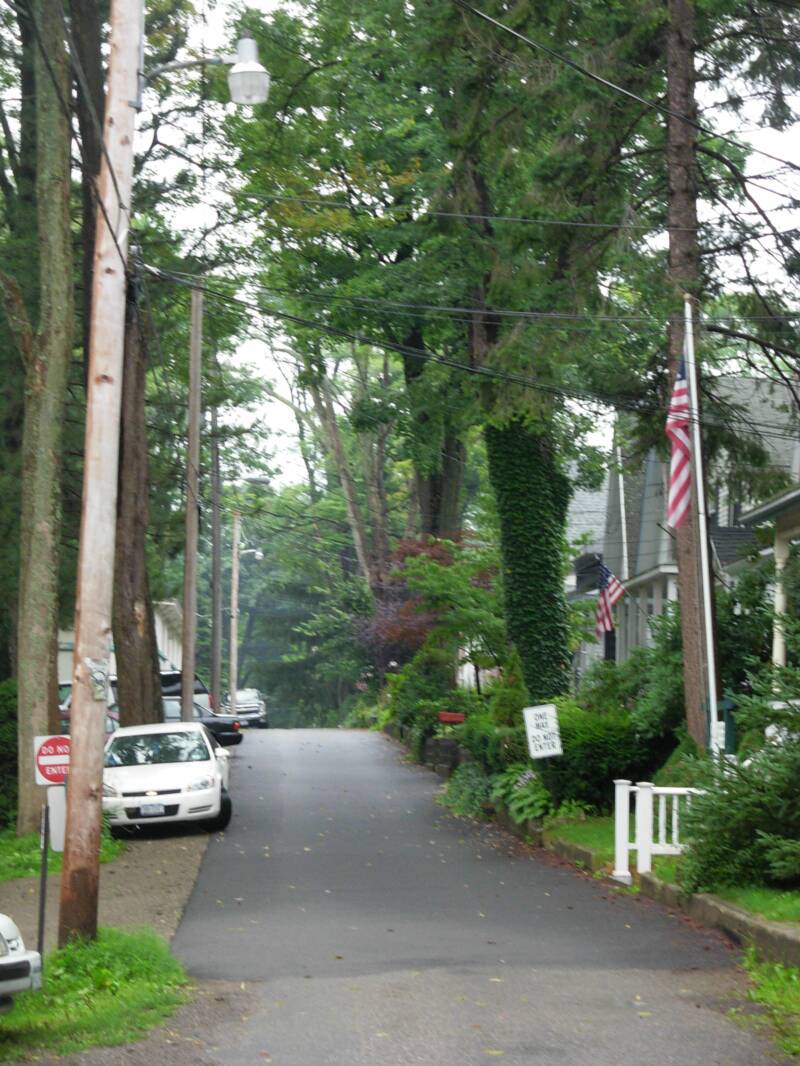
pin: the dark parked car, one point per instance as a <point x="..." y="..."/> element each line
<point x="224" y="727"/>
<point x="172" y="683"/>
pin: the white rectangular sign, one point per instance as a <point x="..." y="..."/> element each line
<point x="57" y="813"/>
<point x="544" y="737"/>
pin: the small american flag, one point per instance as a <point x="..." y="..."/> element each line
<point x="680" y="466"/>
<point x="611" y="590"/>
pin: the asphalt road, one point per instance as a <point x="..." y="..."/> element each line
<point x="365" y="925"/>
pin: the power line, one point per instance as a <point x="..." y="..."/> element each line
<point x="480" y="371"/>
<point x="501" y="312"/>
<point x="477" y="217"/>
<point x="538" y="46"/>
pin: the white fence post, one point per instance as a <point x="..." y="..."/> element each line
<point x="644" y="826"/>
<point x="622" y="792"/>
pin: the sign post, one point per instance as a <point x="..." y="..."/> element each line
<point x="544" y="736"/>
<point x="50" y="767"/>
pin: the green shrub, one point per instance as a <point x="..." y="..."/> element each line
<point x="685" y="767"/>
<point x="428" y="676"/>
<point x="508" y="696"/>
<point x="467" y="791"/>
<point x="522" y="792"/>
<point x="8" y="752"/>
<point x="492" y="747"/>
<point x="597" y="748"/>
<point x="745" y="829"/>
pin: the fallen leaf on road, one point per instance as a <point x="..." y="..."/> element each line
<point x="493" y="1051"/>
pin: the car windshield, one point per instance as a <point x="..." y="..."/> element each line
<point x="147" y="749"/>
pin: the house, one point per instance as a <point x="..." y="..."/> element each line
<point x="168" y="625"/>
<point x="639" y="547"/>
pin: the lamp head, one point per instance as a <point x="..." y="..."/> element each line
<point x="248" y="81"/>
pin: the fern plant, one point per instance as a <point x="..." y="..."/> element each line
<point x="522" y="792"/>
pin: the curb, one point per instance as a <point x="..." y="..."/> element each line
<point x="574" y="853"/>
<point x="773" y="941"/>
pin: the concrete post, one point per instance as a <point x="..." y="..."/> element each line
<point x="644" y="826"/>
<point x="622" y="792"/>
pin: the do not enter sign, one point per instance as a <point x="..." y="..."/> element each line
<point x="51" y="759"/>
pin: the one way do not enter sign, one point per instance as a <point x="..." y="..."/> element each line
<point x="51" y="759"/>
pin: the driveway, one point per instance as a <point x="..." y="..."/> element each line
<point x="359" y="923"/>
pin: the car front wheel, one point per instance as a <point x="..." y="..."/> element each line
<point x="216" y="825"/>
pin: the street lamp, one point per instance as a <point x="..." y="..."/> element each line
<point x="248" y="81"/>
<point x="249" y="84"/>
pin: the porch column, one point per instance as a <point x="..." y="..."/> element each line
<point x="782" y="545"/>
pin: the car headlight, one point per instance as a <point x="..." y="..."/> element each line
<point x="200" y="783"/>
<point x="109" y="790"/>
<point x="3" y="946"/>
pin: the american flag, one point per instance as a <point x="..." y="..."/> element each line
<point x="611" y="590"/>
<point x="680" y="465"/>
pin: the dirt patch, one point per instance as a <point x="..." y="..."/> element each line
<point x="148" y="885"/>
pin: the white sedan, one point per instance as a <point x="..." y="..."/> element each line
<point x="172" y="772"/>
<point x="19" y="969"/>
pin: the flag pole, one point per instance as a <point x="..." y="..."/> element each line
<point x="715" y="741"/>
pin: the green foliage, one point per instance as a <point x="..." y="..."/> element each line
<point x="467" y="791"/>
<point x="103" y="992"/>
<point x="427" y="677"/>
<point x="597" y="749"/>
<point x="8" y="752"/>
<point x="684" y="768"/>
<point x="509" y="695"/>
<point x="20" y="855"/>
<point x="462" y="590"/>
<point x="532" y="495"/>
<point x="745" y="829"/>
<point x="777" y="988"/>
<point x="521" y="791"/>
<point x="492" y="747"/>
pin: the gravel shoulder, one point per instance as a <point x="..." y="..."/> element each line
<point x="148" y="885"/>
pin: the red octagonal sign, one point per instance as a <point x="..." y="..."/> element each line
<point x="51" y="759"/>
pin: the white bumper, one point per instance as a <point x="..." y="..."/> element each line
<point x="19" y="971"/>
<point x="192" y="806"/>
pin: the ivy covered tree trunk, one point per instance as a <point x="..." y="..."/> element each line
<point x="47" y="356"/>
<point x="138" y="680"/>
<point x="532" y="495"/>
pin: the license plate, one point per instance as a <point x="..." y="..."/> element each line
<point x="151" y="810"/>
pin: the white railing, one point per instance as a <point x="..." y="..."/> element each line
<point x="655" y="832"/>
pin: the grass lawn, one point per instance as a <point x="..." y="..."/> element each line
<point x="105" y="992"/>
<point x="596" y="834"/>
<point x="19" y="856"/>
<point x="777" y="989"/>
<point x="775" y="904"/>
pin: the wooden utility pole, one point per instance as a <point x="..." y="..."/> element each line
<point x="684" y="274"/>
<point x="192" y="510"/>
<point x="234" y="670"/>
<point x="81" y="869"/>
<point x="216" y="568"/>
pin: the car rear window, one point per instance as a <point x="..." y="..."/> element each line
<point x="171" y="684"/>
<point x="148" y="749"/>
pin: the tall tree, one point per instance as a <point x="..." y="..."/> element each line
<point x="46" y="350"/>
<point x="138" y="682"/>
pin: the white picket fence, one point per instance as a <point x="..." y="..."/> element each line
<point x="656" y="831"/>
